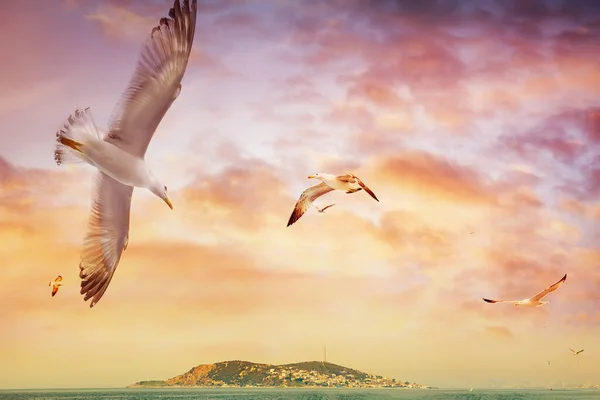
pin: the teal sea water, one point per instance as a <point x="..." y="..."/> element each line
<point x="299" y="394"/>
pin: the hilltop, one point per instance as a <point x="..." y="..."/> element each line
<point x="248" y="374"/>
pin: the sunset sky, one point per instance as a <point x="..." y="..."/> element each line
<point x="462" y="116"/>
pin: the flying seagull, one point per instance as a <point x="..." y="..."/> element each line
<point x="322" y="210"/>
<point x="534" y="301"/>
<point x="55" y="284"/>
<point x="349" y="183"/>
<point x="119" y="155"/>
<point x="576" y="352"/>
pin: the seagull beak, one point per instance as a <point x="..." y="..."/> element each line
<point x="168" y="202"/>
<point x="311" y="176"/>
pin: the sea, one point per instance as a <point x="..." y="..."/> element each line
<point x="301" y="394"/>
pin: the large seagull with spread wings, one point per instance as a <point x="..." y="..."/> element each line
<point x="119" y="154"/>
<point x="535" y="301"/>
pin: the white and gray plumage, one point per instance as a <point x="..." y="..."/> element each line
<point x="119" y="155"/>
<point x="349" y="183"/>
<point x="322" y="210"/>
<point x="576" y="352"/>
<point x="534" y="301"/>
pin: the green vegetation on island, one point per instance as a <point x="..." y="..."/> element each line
<point x="248" y="374"/>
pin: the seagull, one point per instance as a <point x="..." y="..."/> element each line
<point x="576" y="352"/>
<point x="322" y="210"/>
<point x="534" y="301"/>
<point x="55" y="284"/>
<point x="119" y="154"/>
<point x="349" y="183"/>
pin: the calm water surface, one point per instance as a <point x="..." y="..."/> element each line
<point x="298" y="394"/>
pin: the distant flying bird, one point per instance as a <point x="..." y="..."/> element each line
<point x="55" y="284"/>
<point x="119" y="155"/>
<point x="349" y="183"/>
<point x="534" y="301"/>
<point x="548" y="362"/>
<point x="322" y="210"/>
<point x="576" y="352"/>
<point x="472" y="233"/>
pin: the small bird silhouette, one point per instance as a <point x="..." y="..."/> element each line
<point x="576" y="352"/>
<point x="322" y="210"/>
<point x="55" y="284"/>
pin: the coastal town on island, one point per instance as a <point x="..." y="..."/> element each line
<point x="292" y="377"/>
<point x="236" y="373"/>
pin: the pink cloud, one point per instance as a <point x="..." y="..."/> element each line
<point x="436" y="175"/>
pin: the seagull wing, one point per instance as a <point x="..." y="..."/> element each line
<point x="573" y="351"/>
<point x="106" y="238"/>
<point x="306" y="199"/>
<point x="54" y="290"/>
<point x="326" y="207"/>
<point x="58" y="279"/>
<point x="580" y="351"/>
<point x="362" y="185"/>
<point x="156" y="81"/>
<point x="549" y="289"/>
<point x="500" y="301"/>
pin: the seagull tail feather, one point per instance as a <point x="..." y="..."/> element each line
<point x="78" y="130"/>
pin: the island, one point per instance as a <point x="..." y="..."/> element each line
<point x="314" y="374"/>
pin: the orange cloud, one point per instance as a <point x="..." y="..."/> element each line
<point x="418" y="243"/>
<point x="426" y="172"/>
<point x="236" y="194"/>
<point x="378" y="94"/>
<point x="580" y="209"/>
<point x="499" y="332"/>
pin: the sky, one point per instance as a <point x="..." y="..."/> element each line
<point x="462" y="116"/>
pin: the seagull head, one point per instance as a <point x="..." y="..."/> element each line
<point x="160" y="190"/>
<point x="320" y="176"/>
